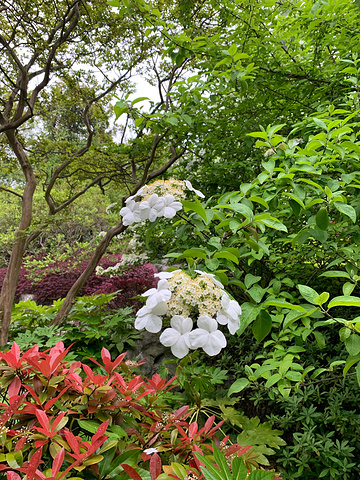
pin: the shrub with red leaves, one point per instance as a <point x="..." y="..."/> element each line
<point x="58" y="278"/>
<point x="60" y="418"/>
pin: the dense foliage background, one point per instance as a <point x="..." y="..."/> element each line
<point x="257" y="104"/>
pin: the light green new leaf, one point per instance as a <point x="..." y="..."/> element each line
<point x="345" y="301"/>
<point x="238" y="385"/>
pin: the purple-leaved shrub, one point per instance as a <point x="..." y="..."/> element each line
<point x="56" y="280"/>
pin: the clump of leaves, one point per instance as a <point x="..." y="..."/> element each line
<point x="62" y="418"/>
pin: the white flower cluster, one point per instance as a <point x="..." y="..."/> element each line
<point x="178" y="297"/>
<point x="127" y="260"/>
<point x="159" y="199"/>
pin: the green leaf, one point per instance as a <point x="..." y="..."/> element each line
<point x="322" y="298"/>
<point x="238" y="385"/>
<point x="172" y="120"/>
<point x="250" y="279"/>
<point x="272" y="380"/>
<point x="348" y="288"/>
<point x="195" y="207"/>
<point x="344" y="301"/>
<point x="358" y="374"/>
<point x="308" y="293"/>
<point x="227" y="255"/>
<point x="193" y="252"/>
<point x="239" y="469"/>
<point x="319" y="338"/>
<point x="322" y="219"/>
<point x="283" y="304"/>
<point x="262" y="326"/>
<point x="346" y="210"/>
<point x="335" y="274"/>
<point x="273" y="223"/>
<point x="352" y="344"/>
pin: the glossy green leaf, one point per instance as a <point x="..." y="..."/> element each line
<point x="344" y="301"/>
<point x="322" y="219"/>
<point x="262" y="326"/>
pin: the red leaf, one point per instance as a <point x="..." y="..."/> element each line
<point x="100" y="431"/>
<point x="57" y="462"/>
<point x="192" y="429"/>
<point x="13" y="476"/>
<point x="11" y="409"/>
<point x="20" y="443"/>
<point x="209" y="423"/>
<point x="51" y="402"/>
<point x="155" y="466"/>
<point x="33" y="464"/>
<point x="72" y="441"/>
<point x="131" y="472"/>
<point x="14" y="388"/>
<point x="43" y="419"/>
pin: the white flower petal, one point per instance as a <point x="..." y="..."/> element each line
<point x="198" y="338"/>
<point x="159" y="308"/>
<point x="181" y="324"/>
<point x="152" y="323"/>
<point x="222" y="318"/>
<point x="233" y="326"/>
<point x="192" y="189"/>
<point x="165" y="275"/>
<point x="169" y="337"/>
<point x="216" y="341"/>
<point x="207" y="323"/>
<point x="181" y="348"/>
<point x="212" y="276"/>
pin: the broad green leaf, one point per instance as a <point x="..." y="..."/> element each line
<point x="308" y="293"/>
<point x="256" y="293"/>
<point x="272" y="380"/>
<point x="194" y="252"/>
<point x="227" y="255"/>
<point x="262" y="326"/>
<point x="250" y="279"/>
<point x="350" y="362"/>
<point x="238" y="385"/>
<point x="352" y="344"/>
<point x="335" y="274"/>
<point x="348" y="288"/>
<point x="283" y="304"/>
<point x="322" y="219"/>
<point x="273" y="223"/>
<point x="346" y="210"/>
<point x="239" y="469"/>
<point x="344" y="301"/>
<point x="195" y="207"/>
<point x="319" y="338"/>
<point x="295" y="198"/>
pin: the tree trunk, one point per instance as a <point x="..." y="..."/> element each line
<point x="8" y="289"/>
<point x="84" y="277"/>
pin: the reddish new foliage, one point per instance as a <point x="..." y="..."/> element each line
<point x="58" y="417"/>
<point x="58" y="278"/>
